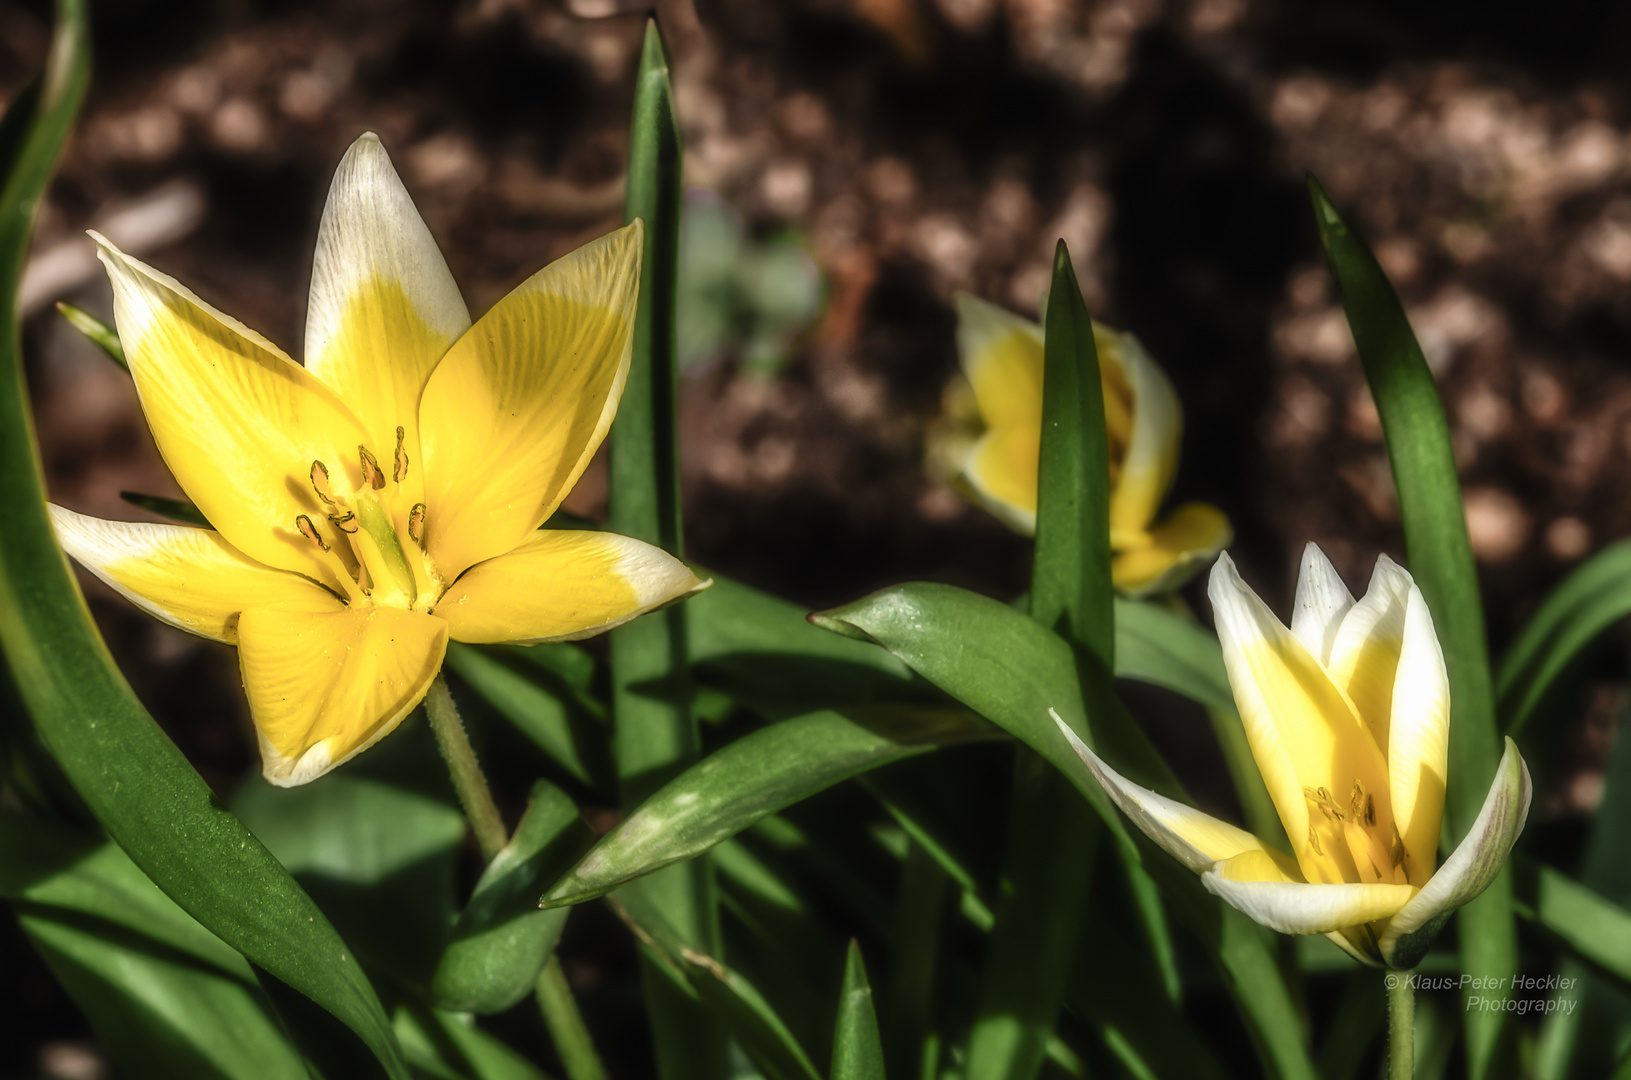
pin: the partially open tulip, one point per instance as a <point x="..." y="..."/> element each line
<point x="994" y="462"/>
<point x="386" y="496"/>
<point x="1347" y="713"/>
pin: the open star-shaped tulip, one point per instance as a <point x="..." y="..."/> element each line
<point x="1348" y="717"/>
<point x="1001" y="356"/>
<point x="387" y="496"/>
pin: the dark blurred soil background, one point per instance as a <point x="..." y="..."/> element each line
<point x="914" y="148"/>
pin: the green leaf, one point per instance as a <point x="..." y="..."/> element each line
<point x="130" y="775"/>
<point x="857" y="1052"/>
<point x="1070" y="579"/>
<point x="1011" y="670"/>
<point x="573" y="1044"/>
<point x="1594" y="927"/>
<point x="1157" y="647"/>
<point x="379" y="860"/>
<point x="756" y="775"/>
<point x="763" y="651"/>
<point x="448" y="1046"/>
<point x="656" y="735"/>
<point x="1440" y="558"/>
<point x="1590" y="600"/>
<point x="537" y="703"/>
<point x="725" y="994"/>
<point x="502" y="940"/>
<point x="165" y="996"/>
<point x="175" y="509"/>
<point x="99" y="333"/>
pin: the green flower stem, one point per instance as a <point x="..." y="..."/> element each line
<point x="1401" y="1025"/>
<point x="565" y="1023"/>
<point x="474" y="796"/>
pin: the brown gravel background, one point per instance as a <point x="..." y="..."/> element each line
<point x="919" y="147"/>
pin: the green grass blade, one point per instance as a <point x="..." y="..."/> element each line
<point x="1052" y="834"/>
<point x="920" y="906"/>
<point x="857" y="1052"/>
<point x="724" y="992"/>
<point x="1596" y="928"/>
<point x="99" y="333"/>
<point x="1590" y="600"/>
<point x="1440" y="559"/>
<point x="130" y="775"/>
<point x="573" y="1044"/>
<point x="502" y="941"/>
<point x="655" y="735"/>
<point x="749" y="778"/>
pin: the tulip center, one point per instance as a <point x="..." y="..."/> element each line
<point x="1350" y="844"/>
<point x="372" y="537"/>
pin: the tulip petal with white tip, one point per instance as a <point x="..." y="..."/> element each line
<point x="1199" y="841"/>
<point x="1469" y="869"/>
<point x="1322" y="600"/>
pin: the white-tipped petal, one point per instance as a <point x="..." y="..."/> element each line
<point x="1322" y="600"/>
<point x="1365" y="653"/>
<point x="1001" y="354"/>
<point x="383" y="307"/>
<point x="1195" y="839"/>
<point x="190" y="578"/>
<point x="1295" y="908"/>
<point x="1419" y="740"/>
<point x="1469" y="869"/>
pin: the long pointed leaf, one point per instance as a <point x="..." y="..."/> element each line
<point x="1440" y="557"/>
<point x="857" y="1052"/>
<point x="130" y="775"/>
<point x="756" y="775"/>
<point x="656" y="735"/>
<point x="1590" y="600"/>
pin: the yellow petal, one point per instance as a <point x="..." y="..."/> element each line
<point x="1151" y="459"/>
<point x="189" y="578"/>
<point x="515" y="410"/>
<point x="562" y="585"/>
<point x="1419" y="741"/>
<point x="383" y="307"/>
<point x="1322" y="600"/>
<point x="1365" y="652"/>
<point x="1001" y="354"/>
<point x="1197" y="840"/>
<point x="324" y="687"/>
<point x="1000" y="474"/>
<point x="1295" y="908"/>
<point x="1172" y="552"/>
<point x="1302" y="729"/>
<point x="237" y="421"/>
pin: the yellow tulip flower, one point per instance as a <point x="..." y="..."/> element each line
<point x="1001" y="356"/>
<point x="387" y="496"/>
<point x="1348" y="716"/>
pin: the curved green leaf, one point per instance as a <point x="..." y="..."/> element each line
<point x="165" y="996"/>
<point x="1590" y="600"/>
<point x="756" y="775"/>
<point x="132" y="777"/>
<point x="502" y="940"/>
<point x="1440" y="558"/>
<point x="857" y="1048"/>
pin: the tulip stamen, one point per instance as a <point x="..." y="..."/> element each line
<point x="320" y="483"/>
<point x="416" y="524"/>
<point x="309" y="531"/>
<point x="371" y="474"/>
<point x="355" y="592"/>
<point x="340" y="521"/>
<point x="399" y="471"/>
<point x="1321" y="797"/>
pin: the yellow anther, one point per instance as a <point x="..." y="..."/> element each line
<point x="340" y="521"/>
<point x="1397" y="854"/>
<point x="416" y="524"/>
<point x="400" y="471"/>
<point x="1314" y="842"/>
<point x="1321" y="797"/>
<point x="309" y="531"/>
<point x="370" y="469"/>
<point x="320" y="484"/>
